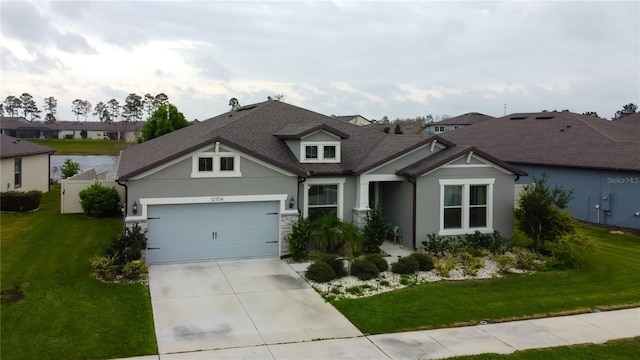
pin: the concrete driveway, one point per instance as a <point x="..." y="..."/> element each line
<point x="238" y="303"/>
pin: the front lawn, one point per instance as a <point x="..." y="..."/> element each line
<point x="608" y="279"/>
<point x="65" y="313"/>
<point x="615" y="349"/>
<point x="83" y="146"/>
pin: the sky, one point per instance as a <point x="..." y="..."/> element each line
<point x="397" y="59"/>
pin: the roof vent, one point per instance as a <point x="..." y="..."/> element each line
<point x="518" y="117"/>
<point x="546" y="117"/>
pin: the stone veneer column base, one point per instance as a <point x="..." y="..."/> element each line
<point x="286" y="221"/>
<point x="360" y="218"/>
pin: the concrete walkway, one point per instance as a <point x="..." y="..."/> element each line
<point x="501" y="338"/>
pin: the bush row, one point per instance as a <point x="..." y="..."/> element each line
<point x="328" y="267"/>
<point x="20" y="201"/>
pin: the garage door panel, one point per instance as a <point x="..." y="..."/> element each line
<point x="192" y="232"/>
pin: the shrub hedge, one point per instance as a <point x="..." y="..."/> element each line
<point x="364" y="269"/>
<point x="20" y="201"/>
<point x="320" y="272"/>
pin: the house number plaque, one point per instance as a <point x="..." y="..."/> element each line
<point x="217" y="199"/>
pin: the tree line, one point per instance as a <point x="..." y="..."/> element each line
<point x="134" y="108"/>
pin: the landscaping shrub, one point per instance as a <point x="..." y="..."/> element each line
<point x="68" y="136"/>
<point x="320" y="272"/>
<point x="100" y="201"/>
<point x="19" y="201"/>
<point x="134" y="270"/>
<point x="569" y="250"/>
<point x="525" y="260"/>
<point x="375" y="230"/>
<point x="471" y="264"/>
<point x="364" y="269"/>
<point x="129" y="245"/>
<point x="352" y="236"/>
<point x="425" y="262"/>
<point x="444" y="266"/>
<point x="500" y="244"/>
<point x="326" y="231"/>
<point x="476" y="242"/>
<point x="298" y="239"/>
<point x="69" y="168"/>
<point x="104" y="268"/>
<point x="378" y="261"/>
<point x="505" y="263"/>
<point x="336" y="264"/>
<point x="405" y="265"/>
<point x="435" y="244"/>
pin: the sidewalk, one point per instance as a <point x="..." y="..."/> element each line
<point x="501" y="338"/>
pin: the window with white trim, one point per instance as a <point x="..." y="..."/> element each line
<point x="466" y="206"/>
<point x="439" y="128"/>
<point x="323" y="152"/>
<point x="323" y="200"/>
<point x="221" y="164"/>
<point x="17" y="173"/>
<point x="323" y="196"/>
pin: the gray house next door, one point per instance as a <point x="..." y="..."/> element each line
<point x="196" y="232"/>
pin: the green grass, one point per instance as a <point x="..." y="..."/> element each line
<point x="65" y="313"/>
<point x="83" y="146"/>
<point x="607" y="279"/>
<point x="616" y="349"/>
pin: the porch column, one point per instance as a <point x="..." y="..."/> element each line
<point x="362" y="203"/>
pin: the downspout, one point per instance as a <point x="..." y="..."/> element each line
<point x="126" y="195"/>
<point x="412" y="180"/>
<point x="300" y="181"/>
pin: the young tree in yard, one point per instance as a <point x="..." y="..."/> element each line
<point x="69" y="168"/>
<point x="398" y="129"/>
<point x="163" y="120"/>
<point x="375" y="230"/>
<point x="540" y="214"/>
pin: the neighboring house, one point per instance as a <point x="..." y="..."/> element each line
<point x="598" y="159"/>
<point x="456" y="122"/>
<point x="24" y="165"/>
<point x="120" y="130"/>
<point x="354" y="119"/>
<point x="20" y="127"/>
<point x="231" y="186"/>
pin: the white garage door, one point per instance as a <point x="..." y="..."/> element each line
<point x="193" y="232"/>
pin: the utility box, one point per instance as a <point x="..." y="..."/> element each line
<point x="605" y="202"/>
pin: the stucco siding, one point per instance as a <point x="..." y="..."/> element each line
<point x="176" y="181"/>
<point x="591" y="186"/>
<point x="406" y="160"/>
<point x="35" y="173"/>
<point x="321" y="136"/>
<point x="428" y="204"/>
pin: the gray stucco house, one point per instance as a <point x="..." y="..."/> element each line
<point x="231" y="186"/>
<point x="456" y="122"/>
<point x="596" y="158"/>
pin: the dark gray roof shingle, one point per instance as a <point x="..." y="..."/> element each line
<point x="556" y="139"/>
<point x="12" y="147"/>
<point x="252" y="131"/>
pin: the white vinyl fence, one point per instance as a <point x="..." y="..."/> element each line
<point x="71" y="187"/>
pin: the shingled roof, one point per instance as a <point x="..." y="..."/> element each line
<point x="252" y="130"/>
<point x="12" y="147"/>
<point x="556" y="139"/>
<point x="465" y="119"/>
